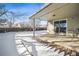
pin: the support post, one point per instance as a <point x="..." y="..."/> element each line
<point x="34" y="27"/>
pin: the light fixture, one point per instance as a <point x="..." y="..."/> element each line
<point x="54" y="15"/>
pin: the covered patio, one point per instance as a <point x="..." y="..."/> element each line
<point x="62" y="35"/>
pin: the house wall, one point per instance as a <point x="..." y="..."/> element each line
<point x="50" y="27"/>
<point x="69" y="12"/>
<point x="73" y="23"/>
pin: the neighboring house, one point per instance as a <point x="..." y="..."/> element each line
<point x="62" y="17"/>
<point x="16" y="25"/>
<point x="4" y="23"/>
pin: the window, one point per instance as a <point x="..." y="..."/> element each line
<point x="60" y="26"/>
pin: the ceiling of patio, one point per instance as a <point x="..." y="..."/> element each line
<point x="57" y="11"/>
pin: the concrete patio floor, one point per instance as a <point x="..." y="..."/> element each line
<point x="64" y="42"/>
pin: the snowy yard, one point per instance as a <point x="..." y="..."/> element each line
<point x="33" y="47"/>
<point x="11" y="44"/>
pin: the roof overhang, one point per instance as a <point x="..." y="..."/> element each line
<point x="57" y="11"/>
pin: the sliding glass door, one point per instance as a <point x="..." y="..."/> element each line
<point x="60" y="26"/>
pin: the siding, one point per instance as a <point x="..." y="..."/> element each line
<point x="73" y="23"/>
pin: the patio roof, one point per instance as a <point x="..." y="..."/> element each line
<point x="45" y="6"/>
<point x="57" y="11"/>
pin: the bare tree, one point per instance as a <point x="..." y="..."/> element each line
<point x="2" y="10"/>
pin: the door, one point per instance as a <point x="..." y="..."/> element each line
<point x="60" y="26"/>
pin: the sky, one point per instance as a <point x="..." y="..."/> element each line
<point x="26" y="9"/>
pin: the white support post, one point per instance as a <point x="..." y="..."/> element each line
<point x="34" y="27"/>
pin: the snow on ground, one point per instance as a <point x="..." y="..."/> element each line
<point x="11" y="44"/>
<point x="35" y="48"/>
<point x="30" y="33"/>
